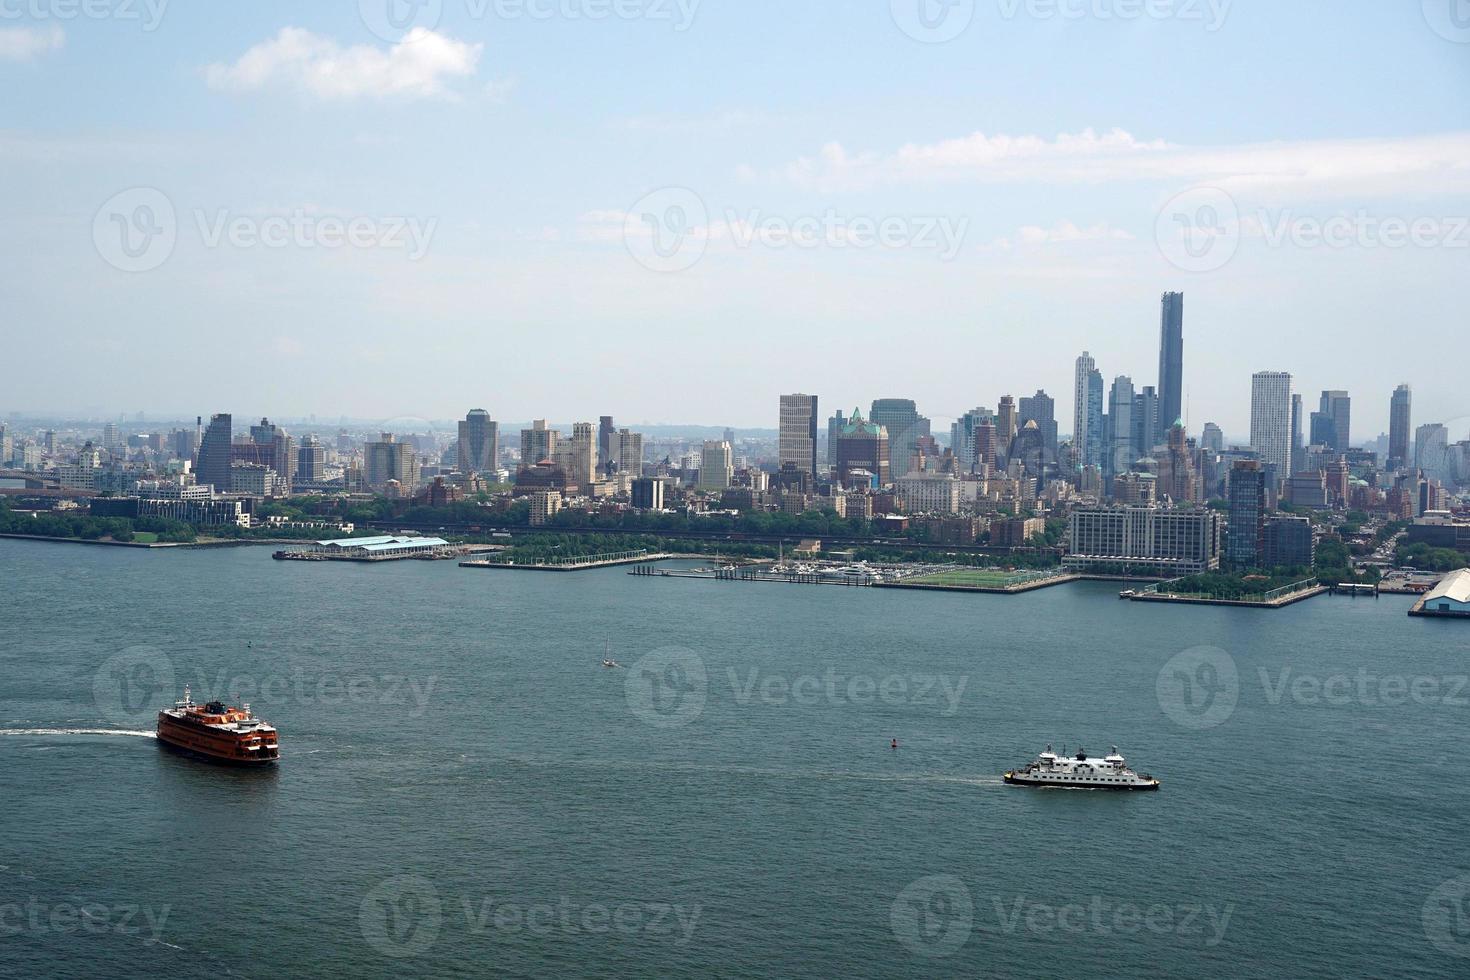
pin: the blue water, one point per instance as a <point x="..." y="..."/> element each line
<point x="465" y="790"/>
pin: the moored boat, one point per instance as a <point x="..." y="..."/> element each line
<point x="218" y="732"/>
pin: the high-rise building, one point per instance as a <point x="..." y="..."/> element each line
<point x="607" y="439"/>
<point x="835" y="425"/>
<point x="1147" y="540"/>
<point x="275" y="450"/>
<point x="1246" y="500"/>
<point x="798" y="433"/>
<point x="716" y="466"/>
<point x="537" y="443"/>
<point x="1005" y="421"/>
<point x="1145" y="421"/>
<point x="1399" y="414"/>
<point x="1287" y="542"/>
<point x="1041" y="408"/>
<point x="628" y="453"/>
<point x="1432" y="452"/>
<point x="215" y="457"/>
<point x="390" y="460"/>
<point x="1298" y="447"/>
<point x="1178" y="479"/>
<point x="863" y="445"/>
<point x="905" y="426"/>
<point x="962" y="436"/>
<point x="1087" y="413"/>
<point x="1120" y="452"/>
<point x="648" y="493"/>
<point x="479" y="443"/>
<point x="1171" y="362"/>
<point x="1322" y="432"/>
<point x="1271" y="421"/>
<point x="311" y="461"/>
<point x="1338" y="406"/>
<point x="1212" y="438"/>
<point x="577" y="456"/>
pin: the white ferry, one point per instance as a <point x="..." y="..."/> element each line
<point x="1080" y="772"/>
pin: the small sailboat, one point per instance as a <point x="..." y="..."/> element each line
<point x="607" y="660"/>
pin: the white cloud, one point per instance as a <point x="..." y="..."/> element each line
<point x="1066" y="232"/>
<point x="1380" y="166"/>
<point x="421" y="66"/>
<point x="29" y="43"/>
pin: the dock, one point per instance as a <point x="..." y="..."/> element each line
<point x="580" y="563"/>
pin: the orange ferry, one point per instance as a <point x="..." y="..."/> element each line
<point x="218" y="732"/>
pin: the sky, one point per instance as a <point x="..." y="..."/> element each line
<point x="676" y="210"/>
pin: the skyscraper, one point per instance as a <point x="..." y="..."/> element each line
<point x="1171" y="363"/>
<point x="1432" y="450"/>
<point x="1120" y="450"/>
<point x="900" y="416"/>
<point x="1271" y="421"/>
<point x="606" y="442"/>
<point x="1298" y="448"/>
<point x="479" y="443"/>
<point x="1145" y="421"/>
<point x="1005" y="422"/>
<point x="835" y="425"/>
<point x="388" y="460"/>
<point x="311" y="461"/>
<point x="1041" y="408"/>
<point x="1087" y="413"/>
<point x="798" y="434"/>
<point x="1337" y="406"/>
<point x="1213" y="438"/>
<point x="963" y="433"/>
<point x="1399" y="413"/>
<point x="863" y="445"/>
<point x="214" y="453"/>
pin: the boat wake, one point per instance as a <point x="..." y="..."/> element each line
<point x="50" y="732"/>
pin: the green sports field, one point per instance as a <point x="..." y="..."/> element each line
<point x="978" y="578"/>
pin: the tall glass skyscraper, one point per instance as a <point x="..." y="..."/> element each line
<point x="1171" y="363"/>
<point x="214" y="453"/>
<point x="1087" y="413"/>
<point x="1398" y="427"/>
<point x="900" y="416"/>
<point x="1271" y="421"/>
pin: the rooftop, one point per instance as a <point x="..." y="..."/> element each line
<point x="1455" y="586"/>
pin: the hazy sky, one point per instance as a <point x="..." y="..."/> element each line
<point x="671" y="210"/>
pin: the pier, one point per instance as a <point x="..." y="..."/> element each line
<point x="580" y="563"/>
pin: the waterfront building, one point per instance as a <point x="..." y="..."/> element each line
<point x="1247" y="510"/>
<point x="1171" y="361"/>
<point x="1451" y="597"/>
<point x="198" y="512"/>
<point x="797" y="440"/>
<point x="1287" y="542"/>
<point x="479" y="443"/>
<point x="1143" y="540"/>
<point x="1399" y="413"/>
<point x="215" y="456"/>
<point x="716" y="466"/>
<point x="1271" y="422"/>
